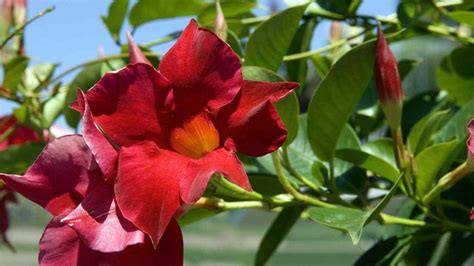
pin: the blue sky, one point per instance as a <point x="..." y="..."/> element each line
<point x="73" y="32"/>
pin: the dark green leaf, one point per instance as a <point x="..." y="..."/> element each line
<point x="456" y="127"/>
<point x="455" y="75"/>
<point x="53" y="107"/>
<point x="147" y="10"/>
<point x="288" y="108"/>
<point x="280" y="227"/>
<point x="428" y="164"/>
<point x="406" y="65"/>
<point x="466" y="17"/>
<point x="341" y="6"/>
<point x="270" y="41"/>
<point x="298" y="69"/>
<point x="234" y="43"/>
<point x="13" y="71"/>
<point x="322" y="64"/>
<point x="17" y="158"/>
<point x="266" y="185"/>
<point x="336" y="98"/>
<point x="384" y="251"/>
<point x="115" y="17"/>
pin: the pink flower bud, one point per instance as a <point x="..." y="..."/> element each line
<point x="389" y="88"/>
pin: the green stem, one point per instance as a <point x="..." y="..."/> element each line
<point x="162" y="40"/>
<point x="295" y="173"/>
<point x="291" y="190"/>
<point x="403" y="162"/>
<point x="19" y="29"/>
<point x="8" y="133"/>
<point x="223" y="186"/>
<point x="389" y="219"/>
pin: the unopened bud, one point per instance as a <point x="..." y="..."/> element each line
<point x="220" y="26"/>
<point x="389" y="88"/>
<point x="470" y="145"/>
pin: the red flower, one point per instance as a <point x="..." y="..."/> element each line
<point x="87" y="227"/>
<point x="389" y="88"/>
<point x="180" y="124"/>
<point x="6" y="195"/>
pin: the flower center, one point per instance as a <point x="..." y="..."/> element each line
<point x="196" y="137"/>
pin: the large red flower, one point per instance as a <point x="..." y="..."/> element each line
<point x="87" y="227"/>
<point x="180" y="124"/>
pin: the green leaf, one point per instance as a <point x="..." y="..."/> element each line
<point x="195" y="215"/>
<point x="147" y="10"/>
<point x="347" y="140"/>
<point x="466" y="17"/>
<point x="288" y="108"/>
<point x="230" y="9"/>
<point x="17" y="158"/>
<point x="234" y="43"/>
<point x="423" y="131"/>
<point x="381" y="148"/>
<point x="84" y="80"/>
<point x="407" y="65"/>
<point x="53" y="107"/>
<point x="266" y="185"/>
<point x="369" y="162"/>
<point x="37" y="74"/>
<point x="341" y="6"/>
<point x="428" y="164"/>
<point x="336" y="97"/>
<point x="115" y="17"/>
<point x="13" y="72"/>
<point x="270" y="41"/>
<point x="322" y="64"/>
<point x="456" y="127"/>
<point x="280" y="227"/>
<point x="347" y="219"/>
<point x="298" y="69"/>
<point x="455" y="74"/>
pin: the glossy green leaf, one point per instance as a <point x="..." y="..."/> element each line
<point x="336" y="98"/>
<point x="115" y="17"/>
<point x="322" y="64"/>
<point x="298" y="69"/>
<point x="456" y="127"/>
<point x="455" y="74"/>
<point x="230" y="9"/>
<point x="428" y="164"/>
<point x="53" y="107"/>
<point x="369" y="162"/>
<point x="288" y="108"/>
<point x="406" y="65"/>
<point x="13" y="71"/>
<point x="266" y="185"/>
<point x="347" y="140"/>
<point x="347" y="219"/>
<point x="280" y="227"/>
<point x="381" y="148"/>
<point x="423" y="131"/>
<point x="270" y="41"/>
<point x="234" y="43"/>
<point x="17" y="158"/>
<point x="148" y="10"/>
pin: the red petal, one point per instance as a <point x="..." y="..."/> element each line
<point x="20" y="135"/>
<point x="252" y="121"/>
<point x="60" y="245"/>
<point x="59" y="178"/>
<point x="136" y="55"/>
<point x="169" y="251"/>
<point x="198" y="172"/>
<point x="147" y="186"/>
<point x="129" y="104"/>
<point x="6" y="195"/>
<point x="100" y="225"/>
<point x="104" y="153"/>
<point x="470" y="141"/>
<point x="204" y="70"/>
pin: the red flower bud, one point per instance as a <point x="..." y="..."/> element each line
<point x="387" y="79"/>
